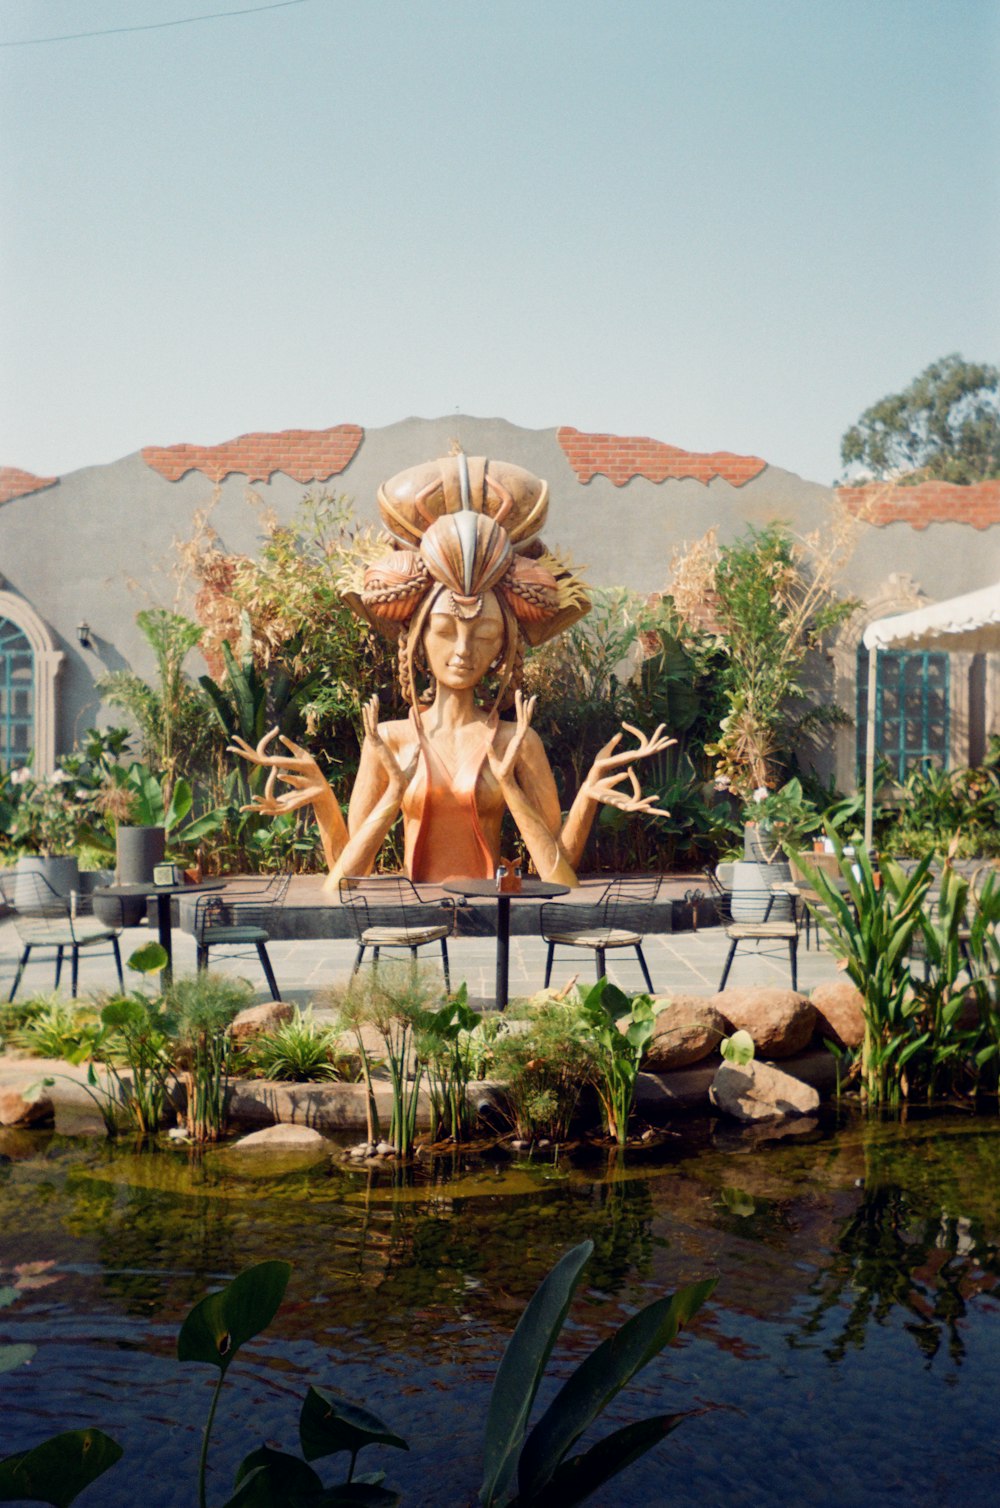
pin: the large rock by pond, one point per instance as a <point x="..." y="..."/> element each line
<point x="781" y="1022"/>
<point x="839" y="1016"/>
<point x="258" y="1019"/>
<point x="283" y="1138"/>
<point x="19" y="1108"/>
<point x="688" y="1028"/>
<point x="759" y="1092"/>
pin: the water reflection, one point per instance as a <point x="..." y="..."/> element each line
<point x="829" y="1246"/>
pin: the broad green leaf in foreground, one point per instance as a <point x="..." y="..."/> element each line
<point x="521" y="1369"/>
<point x="599" y="1378"/>
<point x="329" y="1424"/>
<point x="59" y="1469"/>
<point x="221" y="1323"/>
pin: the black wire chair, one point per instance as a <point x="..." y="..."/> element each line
<point x="619" y="918"/>
<point x="388" y="911"/>
<point x="240" y="917"/>
<point x="43" y="918"/>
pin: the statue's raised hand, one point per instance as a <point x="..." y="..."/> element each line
<point x="502" y="764"/>
<point x="398" y="776"/>
<point x="610" y="769"/>
<point x="297" y="769"/>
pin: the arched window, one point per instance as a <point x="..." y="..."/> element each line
<point x="17" y="696"/>
<point x="29" y="666"/>
<point x="912" y="711"/>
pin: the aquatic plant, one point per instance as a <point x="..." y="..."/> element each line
<point x="397" y="1003"/>
<point x="930" y="1030"/>
<point x="620" y="1027"/>
<point x="203" y="1006"/>
<point x="521" y="1470"/>
<point x="532" y="1470"/>
<point x="450" y="1053"/>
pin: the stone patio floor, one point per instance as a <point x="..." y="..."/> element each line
<point x="679" y="962"/>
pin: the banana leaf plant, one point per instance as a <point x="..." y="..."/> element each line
<point x="536" y="1470"/>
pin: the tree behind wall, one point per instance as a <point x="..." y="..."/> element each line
<point x="945" y="426"/>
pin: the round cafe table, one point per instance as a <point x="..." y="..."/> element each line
<point x="164" y="894"/>
<point x="486" y="890"/>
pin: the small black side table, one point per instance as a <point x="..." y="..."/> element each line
<point x="486" y="890"/>
<point x="164" y="895"/>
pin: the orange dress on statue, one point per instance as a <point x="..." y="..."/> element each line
<point x="441" y="819"/>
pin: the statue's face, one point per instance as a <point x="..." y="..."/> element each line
<point x="460" y="651"/>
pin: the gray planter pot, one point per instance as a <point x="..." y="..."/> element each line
<point x="60" y="871"/>
<point x="751" y="892"/>
<point x="137" y="851"/>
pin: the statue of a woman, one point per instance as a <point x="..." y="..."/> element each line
<point x="468" y="583"/>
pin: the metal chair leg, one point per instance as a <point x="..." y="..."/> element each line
<point x="358" y="958"/>
<point x="444" y="960"/>
<point x="600" y="961"/>
<point x="118" y="964"/>
<point x="793" y="949"/>
<point x="59" y="964"/>
<point x="642" y="965"/>
<point x="75" y="967"/>
<point x="202" y="960"/>
<point x="265" y="964"/>
<point x="729" y="963"/>
<point x="548" y="965"/>
<point x="20" y="970"/>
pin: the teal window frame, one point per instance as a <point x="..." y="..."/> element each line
<point x="912" y="709"/>
<point x="17" y="695"/>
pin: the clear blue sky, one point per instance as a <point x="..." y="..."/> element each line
<point x="723" y="223"/>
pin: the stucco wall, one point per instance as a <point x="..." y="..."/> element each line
<point x="97" y="545"/>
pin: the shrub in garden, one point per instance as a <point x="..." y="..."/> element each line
<point x="544" y="1062"/>
<point x="906" y="957"/>
<point x="300" y="1051"/>
<point x="774" y="601"/>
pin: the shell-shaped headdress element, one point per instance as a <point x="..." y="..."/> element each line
<point x="410" y="501"/>
<point x="469" y="525"/>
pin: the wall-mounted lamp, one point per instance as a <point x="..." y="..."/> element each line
<point x="83" y="633"/>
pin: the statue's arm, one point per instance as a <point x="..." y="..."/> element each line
<point x="308" y="786"/>
<point x="601" y="787"/>
<point x="529" y="789"/>
<point x="375" y="801"/>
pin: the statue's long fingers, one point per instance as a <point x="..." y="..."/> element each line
<point x="262" y="746"/>
<point x="295" y="749"/>
<point x="240" y="746"/>
<point x="271" y="782"/>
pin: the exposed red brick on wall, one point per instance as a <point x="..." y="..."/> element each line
<point x="622" y="457"/>
<point x="977" y="504"/>
<point x="14" y="483"/>
<point x="305" y="455"/>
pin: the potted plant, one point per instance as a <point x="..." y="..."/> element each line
<point x="779" y="824"/>
<point x="46" y="826"/>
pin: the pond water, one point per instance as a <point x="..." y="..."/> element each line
<point x="849" y="1355"/>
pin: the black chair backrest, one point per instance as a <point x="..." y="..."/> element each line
<point x="387" y="900"/>
<point x="244" y="903"/>
<point x="628" y="901"/>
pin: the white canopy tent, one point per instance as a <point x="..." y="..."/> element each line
<point x="970" y="623"/>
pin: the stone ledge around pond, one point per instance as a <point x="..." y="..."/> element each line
<point x="341" y="1107"/>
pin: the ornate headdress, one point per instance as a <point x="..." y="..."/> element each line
<point x="466" y="525"/>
